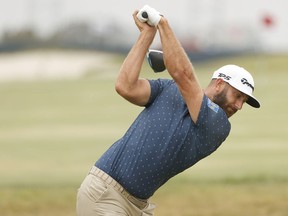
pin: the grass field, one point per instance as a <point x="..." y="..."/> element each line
<point x="52" y="132"/>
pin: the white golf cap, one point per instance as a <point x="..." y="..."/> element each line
<point x="240" y="79"/>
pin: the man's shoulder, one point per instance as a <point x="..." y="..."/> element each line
<point x="214" y="116"/>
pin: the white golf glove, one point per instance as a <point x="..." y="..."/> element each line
<point x="149" y="15"/>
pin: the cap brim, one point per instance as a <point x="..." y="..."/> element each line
<point x="253" y="102"/>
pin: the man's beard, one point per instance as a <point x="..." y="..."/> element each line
<point x="221" y="100"/>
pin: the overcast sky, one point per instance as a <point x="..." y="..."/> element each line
<point x="46" y="14"/>
<point x="185" y="15"/>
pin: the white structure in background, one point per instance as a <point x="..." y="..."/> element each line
<point x="228" y="24"/>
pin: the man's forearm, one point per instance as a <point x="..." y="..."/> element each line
<point x="130" y="69"/>
<point x="176" y="60"/>
<point x="181" y="69"/>
<point x="128" y="83"/>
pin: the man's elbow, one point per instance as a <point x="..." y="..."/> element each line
<point x="182" y="74"/>
<point x="123" y="89"/>
<point x="119" y="87"/>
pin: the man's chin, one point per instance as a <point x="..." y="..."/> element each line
<point x="231" y="113"/>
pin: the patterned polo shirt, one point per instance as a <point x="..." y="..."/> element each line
<point x="163" y="140"/>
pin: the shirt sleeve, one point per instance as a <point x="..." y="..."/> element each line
<point x="213" y="127"/>
<point x="157" y="87"/>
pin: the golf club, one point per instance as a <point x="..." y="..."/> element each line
<point x="155" y="60"/>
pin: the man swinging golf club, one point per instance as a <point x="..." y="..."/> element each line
<point x="180" y="124"/>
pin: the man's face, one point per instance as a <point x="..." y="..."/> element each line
<point x="230" y="99"/>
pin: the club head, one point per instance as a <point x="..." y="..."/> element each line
<point x="155" y="60"/>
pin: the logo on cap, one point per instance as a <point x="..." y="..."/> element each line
<point x="224" y="76"/>
<point x="245" y="82"/>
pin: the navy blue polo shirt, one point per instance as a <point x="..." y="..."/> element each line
<point x="163" y="140"/>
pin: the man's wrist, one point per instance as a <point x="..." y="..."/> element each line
<point x="162" y="22"/>
<point x="148" y="34"/>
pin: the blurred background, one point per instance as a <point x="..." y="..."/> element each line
<point x="59" y="111"/>
<point x="202" y="26"/>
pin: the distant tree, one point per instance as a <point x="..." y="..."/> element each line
<point x="22" y="36"/>
<point x="22" y="39"/>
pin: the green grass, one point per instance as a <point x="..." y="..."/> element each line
<point x="51" y="132"/>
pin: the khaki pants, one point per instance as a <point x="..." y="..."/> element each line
<point x="100" y="195"/>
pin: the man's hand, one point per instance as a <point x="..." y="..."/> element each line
<point x="149" y="15"/>
<point x="143" y="26"/>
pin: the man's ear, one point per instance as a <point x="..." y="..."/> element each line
<point x="215" y="87"/>
<point x="219" y="85"/>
